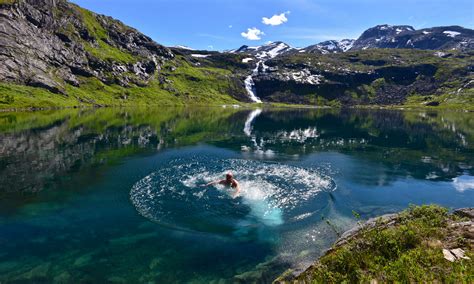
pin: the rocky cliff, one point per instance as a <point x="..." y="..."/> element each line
<point x="52" y="47"/>
<point x="49" y="43"/>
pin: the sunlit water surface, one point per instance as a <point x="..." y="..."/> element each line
<point x="116" y="195"/>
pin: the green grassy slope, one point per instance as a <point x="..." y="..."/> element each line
<point x="409" y="252"/>
<point x="185" y="85"/>
<point x="179" y="81"/>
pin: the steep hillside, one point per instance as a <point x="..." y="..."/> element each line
<point x="54" y="53"/>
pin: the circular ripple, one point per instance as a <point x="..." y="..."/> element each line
<point x="172" y="196"/>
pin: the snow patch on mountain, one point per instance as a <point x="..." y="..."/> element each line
<point x="277" y="50"/>
<point x="200" y="55"/>
<point x="267" y="51"/>
<point x="331" y="46"/>
<point x="305" y="76"/>
<point x="346" y="44"/>
<point x="451" y="33"/>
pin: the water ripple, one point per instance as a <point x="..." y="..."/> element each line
<point x="270" y="192"/>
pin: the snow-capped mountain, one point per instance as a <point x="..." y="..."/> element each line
<point x="437" y="38"/>
<point x="267" y="51"/>
<point x="381" y="36"/>
<point x="330" y="46"/>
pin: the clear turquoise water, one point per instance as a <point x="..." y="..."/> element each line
<point x="113" y="195"/>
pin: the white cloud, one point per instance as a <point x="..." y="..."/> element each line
<point x="463" y="183"/>
<point x="253" y="34"/>
<point x="211" y="47"/>
<point x="230" y="26"/>
<point x="276" y="20"/>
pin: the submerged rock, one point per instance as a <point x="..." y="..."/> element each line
<point x="38" y="273"/>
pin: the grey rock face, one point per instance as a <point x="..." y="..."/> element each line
<point x="465" y="212"/>
<point x="46" y="43"/>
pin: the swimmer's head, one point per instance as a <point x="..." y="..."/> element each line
<point x="229" y="176"/>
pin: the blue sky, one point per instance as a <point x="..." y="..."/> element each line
<point x="219" y="24"/>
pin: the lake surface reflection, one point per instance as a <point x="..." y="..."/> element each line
<point x="114" y="195"/>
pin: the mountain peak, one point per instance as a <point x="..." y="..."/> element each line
<point x="266" y="51"/>
<point x="403" y="36"/>
<point x="330" y="46"/>
<point x="380" y="31"/>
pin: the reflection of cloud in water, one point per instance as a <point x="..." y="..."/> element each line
<point x="463" y="183"/>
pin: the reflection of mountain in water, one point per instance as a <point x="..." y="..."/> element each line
<point x="422" y="145"/>
<point x="32" y="159"/>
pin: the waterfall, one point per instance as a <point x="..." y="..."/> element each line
<point x="250" y="85"/>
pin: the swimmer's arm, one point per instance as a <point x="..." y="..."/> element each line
<point x="213" y="183"/>
<point x="237" y="189"/>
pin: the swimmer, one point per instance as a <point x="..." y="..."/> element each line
<point x="228" y="181"/>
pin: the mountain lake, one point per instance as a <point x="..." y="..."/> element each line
<point x="115" y="195"/>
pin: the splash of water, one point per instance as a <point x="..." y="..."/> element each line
<point x="269" y="192"/>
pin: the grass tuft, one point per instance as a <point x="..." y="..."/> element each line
<point x="409" y="252"/>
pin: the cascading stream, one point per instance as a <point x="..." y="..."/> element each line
<point x="250" y="85"/>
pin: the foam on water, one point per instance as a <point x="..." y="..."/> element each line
<point x="269" y="192"/>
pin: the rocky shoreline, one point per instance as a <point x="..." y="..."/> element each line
<point x="453" y="247"/>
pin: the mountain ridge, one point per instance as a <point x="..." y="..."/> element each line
<point x="385" y="36"/>
<point x="55" y="53"/>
